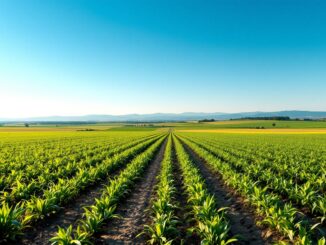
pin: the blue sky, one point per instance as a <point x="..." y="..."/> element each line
<point x="60" y="57"/>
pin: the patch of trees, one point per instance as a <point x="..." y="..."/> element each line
<point x="207" y="120"/>
<point x="265" y="118"/>
<point x="64" y="123"/>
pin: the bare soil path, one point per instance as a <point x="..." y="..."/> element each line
<point x="135" y="209"/>
<point x="240" y="215"/>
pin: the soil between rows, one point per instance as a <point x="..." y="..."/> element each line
<point x="241" y="217"/>
<point x="134" y="211"/>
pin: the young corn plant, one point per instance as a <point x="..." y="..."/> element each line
<point x="92" y="221"/>
<point x="12" y="221"/>
<point x="41" y="208"/>
<point x="67" y="237"/>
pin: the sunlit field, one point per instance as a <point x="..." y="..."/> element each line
<point x="162" y="122"/>
<point x="99" y="184"/>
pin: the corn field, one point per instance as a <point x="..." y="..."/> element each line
<point x="162" y="187"/>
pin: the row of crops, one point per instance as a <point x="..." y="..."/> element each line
<point x="244" y="164"/>
<point x="39" y="178"/>
<point x="281" y="179"/>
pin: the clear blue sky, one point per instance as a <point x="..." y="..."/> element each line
<point x="60" y="57"/>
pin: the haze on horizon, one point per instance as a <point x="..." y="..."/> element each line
<point x="85" y="57"/>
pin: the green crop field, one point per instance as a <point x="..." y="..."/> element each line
<point x="166" y="183"/>
<point x="268" y="124"/>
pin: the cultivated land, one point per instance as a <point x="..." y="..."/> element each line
<point x="166" y="183"/>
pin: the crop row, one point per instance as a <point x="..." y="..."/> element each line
<point x="103" y="208"/>
<point x="163" y="228"/>
<point x="305" y="194"/>
<point x="301" y="164"/>
<point x="33" y="163"/>
<point x="68" y="169"/>
<point x="296" y="158"/>
<point x="276" y="214"/>
<point x="15" y="219"/>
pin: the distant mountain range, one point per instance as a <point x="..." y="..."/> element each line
<point x="186" y="116"/>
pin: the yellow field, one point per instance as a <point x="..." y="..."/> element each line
<point x="259" y="131"/>
<point x="234" y="122"/>
<point x="53" y="129"/>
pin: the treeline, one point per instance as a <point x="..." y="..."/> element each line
<point x="207" y="120"/>
<point x="278" y="118"/>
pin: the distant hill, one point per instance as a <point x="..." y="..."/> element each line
<point x="186" y="116"/>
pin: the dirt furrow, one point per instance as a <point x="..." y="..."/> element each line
<point x="134" y="210"/>
<point x="240" y="215"/>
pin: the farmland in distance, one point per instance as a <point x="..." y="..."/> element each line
<point x="231" y="182"/>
